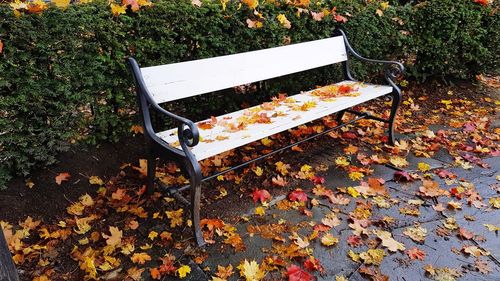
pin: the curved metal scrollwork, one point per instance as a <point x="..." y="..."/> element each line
<point x="190" y="135"/>
<point x="393" y="70"/>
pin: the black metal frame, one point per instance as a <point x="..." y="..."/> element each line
<point x="189" y="136"/>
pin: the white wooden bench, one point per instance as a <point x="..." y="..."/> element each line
<point x="191" y="142"/>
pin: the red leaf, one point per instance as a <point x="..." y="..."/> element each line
<point x="260" y="194"/>
<point x="318" y="180"/>
<point x="402" y="176"/>
<point x="415" y="253"/>
<point x="354" y="241"/>
<point x="313" y="264"/>
<point x="349" y="136"/>
<point x="295" y="273"/>
<point x="298" y="195"/>
<point x="445" y="174"/>
<point x="62" y="177"/>
<point x="465" y="234"/>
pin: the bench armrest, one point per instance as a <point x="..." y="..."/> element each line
<point x="187" y="130"/>
<point x="392" y="69"/>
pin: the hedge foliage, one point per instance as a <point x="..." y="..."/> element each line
<point x="63" y="75"/>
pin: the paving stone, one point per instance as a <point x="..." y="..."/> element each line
<point x="382" y="171"/>
<point x="427" y="213"/>
<point x="491" y="241"/>
<point x="334" y="259"/>
<point x="438" y="253"/>
<point x="413" y="162"/>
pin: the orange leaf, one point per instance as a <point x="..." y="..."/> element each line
<point x="62" y="177"/>
<point x="140" y="258"/>
<point x="155" y="273"/>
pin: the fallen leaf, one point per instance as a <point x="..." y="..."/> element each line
<point x="415" y="253"/>
<point x="62" y="177"/>
<point x="251" y="271"/>
<point x="183" y="271"/>
<point x="295" y="273"/>
<point x="261" y="194"/>
<point x="140" y="258"/>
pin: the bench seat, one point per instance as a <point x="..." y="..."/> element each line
<point x="224" y="132"/>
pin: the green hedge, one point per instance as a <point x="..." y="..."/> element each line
<point x="63" y="76"/>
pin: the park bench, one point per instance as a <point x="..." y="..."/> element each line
<point x="192" y="142"/>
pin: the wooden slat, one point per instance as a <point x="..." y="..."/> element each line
<point x="291" y="119"/>
<point x="181" y="80"/>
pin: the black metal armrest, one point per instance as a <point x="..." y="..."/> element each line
<point x="187" y="130"/>
<point x="392" y="69"/>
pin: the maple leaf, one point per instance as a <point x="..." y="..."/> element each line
<point x="183" y="271"/>
<point x="258" y="171"/>
<point x="282" y="168"/>
<point x="155" y="273"/>
<point x="398" y="161"/>
<point x="235" y="241"/>
<point x="415" y="253"/>
<point x="96" y="180"/>
<point x="279" y="181"/>
<point x="115" y="238"/>
<point x="119" y="194"/>
<point x="374" y="273"/>
<point x="372" y="256"/>
<point x="175" y="217"/>
<point x="431" y="189"/>
<point x="284" y="21"/>
<point x="117" y="9"/>
<point x="297" y="195"/>
<point x="423" y="167"/>
<point x="495" y="202"/>
<point x="260" y="211"/>
<point x="329" y="240"/>
<point x="62" y="177"/>
<point x="403" y="176"/>
<point x="261" y="194"/>
<point x="251" y="271"/>
<point x="313" y="264"/>
<point x="224" y="272"/>
<point x="354" y="176"/>
<point x="354" y="241"/>
<point x="140" y="258"/>
<point x="295" y="273"/>
<point x="416" y="233"/>
<point x="389" y="242"/>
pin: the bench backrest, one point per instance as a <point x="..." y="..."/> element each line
<point x="186" y="79"/>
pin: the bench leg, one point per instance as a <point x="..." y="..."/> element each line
<point x="195" y="177"/>
<point x="151" y="173"/>
<point x="396" y="101"/>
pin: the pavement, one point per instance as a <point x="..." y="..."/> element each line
<point x="441" y="251"/>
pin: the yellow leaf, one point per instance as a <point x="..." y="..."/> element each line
<point x="63" y="4"/>
<point x="354" y="176"/>
<point x="282" y="168"/>
<point x="251" y="271"/>
<point x="266" y="142"/>
<point x="183" y="271"/>
<point x="353" y="192"/>
<point x="260" y="211"/>
<point x="258" y="171"/>
<point x="384" y="5"/>
<point x="329" y="240"/>
<point x="495" y="202"/>
<point x="305" y="168"/>
<point x="175" y="217"/>
<point x="398" y="161"/>
<point x="379" y="12"/>
<point x="86" y="200"/>
<point x="117" y="10"/>
<point x="342" y="161"/>
<point x="96" y="180"/>
<point x="492" y="227"/>
<point x="152" y="235"/>
<point x="284" y="21"/>
<point x="424" y="167"/>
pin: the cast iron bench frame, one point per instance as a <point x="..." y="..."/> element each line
<point x="188" y="133"/>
